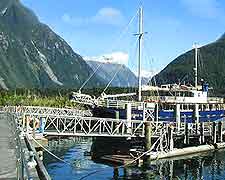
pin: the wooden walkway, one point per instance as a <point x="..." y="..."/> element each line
<point x="7" y="149"/>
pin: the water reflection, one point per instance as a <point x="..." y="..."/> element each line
<point x="202" y="166"/>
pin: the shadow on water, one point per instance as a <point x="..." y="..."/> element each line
<point x="201" y="166"/>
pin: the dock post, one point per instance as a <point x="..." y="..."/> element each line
<point x="128" y="116"/>
<point x="202" y="139"/>
<point x="186" y="134"/>
<point x="220" y="135"/>
<point x="147" y="159"/>
<point x="177" y="113"/>
<point x="214" y="132"/>
<point x="117" y="114"/>
<point x="170" y="138"/>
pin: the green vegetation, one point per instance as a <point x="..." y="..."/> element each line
<point x="211" y="67"/>
<point x="50" y="97"/>
<point x="30" y="98"/>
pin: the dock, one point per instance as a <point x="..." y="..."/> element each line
<point x="22" y="127"/>
<point x="18" y="157"/>
<point x="8" y="150"/>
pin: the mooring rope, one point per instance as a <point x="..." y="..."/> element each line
<point x="89" y="174"/>
<point x="50" y="152"/>
<point x="123" y="166"/>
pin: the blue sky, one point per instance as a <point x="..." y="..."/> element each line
<point x="92" y="27"/>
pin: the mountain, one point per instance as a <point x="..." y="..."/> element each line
<point x="211" y="66"/>
<point x="124" y="78"/>
<point x="33" y="56"/>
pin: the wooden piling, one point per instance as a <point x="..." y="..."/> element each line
<point x="220" y="135"/>
<point x="214" y="132"/>
<point x="147" y="159"/>
<point x="186" y="134"/>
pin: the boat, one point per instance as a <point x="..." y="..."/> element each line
<point x="171" y="102"/>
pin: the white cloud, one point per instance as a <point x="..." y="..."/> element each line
<point x="147" y="73"/>
<point x="203" y="8"/>
<point x="115" y="57"/>
<point x="106" y="15"/>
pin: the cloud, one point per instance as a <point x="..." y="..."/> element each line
<point x="147" y="73"/>
<point x="106" y="15"/>
<point x="115" y="57"/>
<point x="203" y="8"/>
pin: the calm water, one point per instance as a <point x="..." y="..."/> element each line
<point x="205" y="166"/>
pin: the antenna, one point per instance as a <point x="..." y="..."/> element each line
<point x="140" y="35"/>
<point x="196" y="65"/>
<point x="140" y="38"/>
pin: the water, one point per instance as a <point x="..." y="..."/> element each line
<point x="207" y="166"/>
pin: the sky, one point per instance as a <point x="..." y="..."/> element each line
<point x="99" y="29"/>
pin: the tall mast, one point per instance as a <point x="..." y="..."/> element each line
<point x="196" y="65"/>
<point x="140" y="38"/>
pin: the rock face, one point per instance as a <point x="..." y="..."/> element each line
<point x="124" y="78"/>
<point x="211" y="66"/>
<point x="33" y="56"/>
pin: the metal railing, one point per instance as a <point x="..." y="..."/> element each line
<point x="23" y="171"/>
<point x="119" y="104"/>
<point x="47" y="110"/>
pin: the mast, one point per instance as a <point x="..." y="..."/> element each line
<point x="140" y="38"/>
<point x="196" y="65"/>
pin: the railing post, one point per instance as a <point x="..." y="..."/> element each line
<point x="128" y="116"/>
<point x="202" y="139"/>
<point x="170" y="138"/>
<point x="27" y="123"/>
<point x="156" y="112"/>
<point x="24" y="122"/>
<point x="34" y="126"/>
<point x="117" y="123"/>
<point x="143" y="114"/>
<point x="196" y="116"/>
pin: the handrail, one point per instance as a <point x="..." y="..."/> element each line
<point x="23" y="171"/>
<point x="42" y="172"/>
